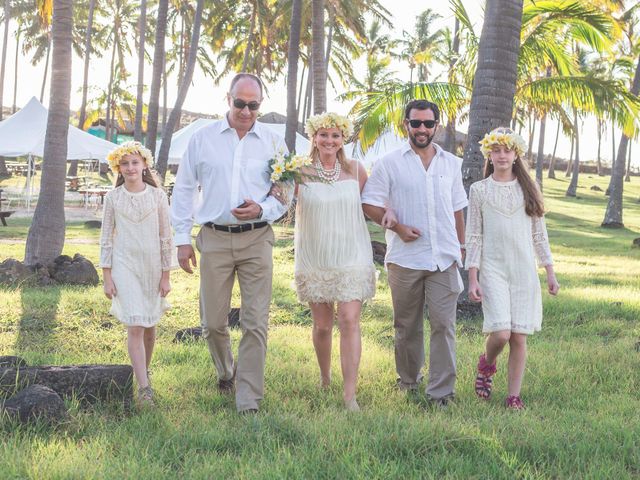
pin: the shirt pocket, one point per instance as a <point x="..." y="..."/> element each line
<point x="256" y="171"/>
<point x="444" y="193"/>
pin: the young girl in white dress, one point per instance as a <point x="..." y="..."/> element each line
<point x="505" y="232"/>
<point x="136" y="255"/>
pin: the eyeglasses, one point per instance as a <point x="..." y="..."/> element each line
<point x="426" y="123"/>
<point x="240" y="104"/>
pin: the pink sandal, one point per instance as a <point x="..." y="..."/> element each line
<point x="484" y="382"/>
<point x="514" y="402"/>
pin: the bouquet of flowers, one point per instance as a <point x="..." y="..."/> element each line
<point x="288" y="167"/>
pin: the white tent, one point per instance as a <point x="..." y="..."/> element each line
<point x="180" y="139"/>
<point x="23" y="134"/>
<point x="385" y="143"/>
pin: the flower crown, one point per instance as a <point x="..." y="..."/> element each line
<point x="128" y="148"/>
<point x="329" y="120"/>
<point x="503" y="136"/>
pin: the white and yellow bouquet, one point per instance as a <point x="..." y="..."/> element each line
<point x="287" y="167"/>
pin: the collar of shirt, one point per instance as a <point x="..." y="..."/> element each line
<point x="406" y="148"/>
<point x="256" y="128"/>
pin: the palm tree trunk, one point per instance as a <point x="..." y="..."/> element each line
<point x="163" y="156"/>
<point x="599" y="156"/>
<point x="570" y="162"/>
<point x="552" y="163"/>
<point x="156" y="76"/>
<point x="46" y="71"/>
<point x="573" y="185"/>
<point x="252" y="27"/>
<point x="46" y="233"/>
<point x="327" y="55"/>
<point x="317" y="56"/>
<point x="627" y="177"/>
<point x="450" y="130"/>
<point x="14" y="107"/>
<point x="181" y="54"/>
<point x="165" y="102"/>
<point x="495" y="80"/>
<point x="73" y="165"/>
<point x="107" y="126"/>
<point x="613" y="158"/>
<point x="292" y="75"/>
<point x="540" y="159"/>
<point x="3" y="62"/>
<point x="304" y="69"/>
<point x="142" y="27"/>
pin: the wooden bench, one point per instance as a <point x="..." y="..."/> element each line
<point x="4" y="213"/>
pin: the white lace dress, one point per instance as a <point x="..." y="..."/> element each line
<point x="136" y="244"/>
<point x="502" y="242"/>
<point x="333" y="255"/>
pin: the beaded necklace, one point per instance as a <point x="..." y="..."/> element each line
<point x="328" y="176"/>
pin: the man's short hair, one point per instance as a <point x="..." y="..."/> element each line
<point x="422" y="105"/>
<point x="241" y="75"/>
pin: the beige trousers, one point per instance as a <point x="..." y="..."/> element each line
<point x="222" y="256"/>
<point x="409" y="291"/>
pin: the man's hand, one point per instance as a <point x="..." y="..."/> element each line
<point x="407" y="233"/>
<point x="187" y="258"/>
<point x="249" y="211"/>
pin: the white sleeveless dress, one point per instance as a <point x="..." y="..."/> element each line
<point x="333" y="255"/>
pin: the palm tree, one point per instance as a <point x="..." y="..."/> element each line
<point x="496" y="75"/>
<point x="161" y="164"/>
<point x="292" y="75"/>
<point x="423" y="45"/>
<point x="7" y="17"/>
<point x="156" y="75"/>
<point x="45" y="239"/>
<point x="318" y="70"/>
<point x="142" y="28"/>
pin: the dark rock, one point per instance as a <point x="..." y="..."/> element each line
<point x="37" y="402"/>
<point x="88" y="383"/>
<point x="12" y="361"/>
<point x="93" y="224"/>
<point x="596" y="188"/>
<point x="468" y="309"/>
<point x="379" y="251"/>
<point x="13" y="271"/>
<point x="106" y="325"/>
<point x="74" y="271"/>
<point x="636" y="242"/>
<point x="194" y="333"/>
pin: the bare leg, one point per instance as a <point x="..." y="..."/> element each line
<point x="517" y="362"/>
<point x="350" y="346"/>
<point x="495" y="343"/>
<point x="322" y="314"/>
<point x="135" y="346"/>
<point x="149" y="342"/>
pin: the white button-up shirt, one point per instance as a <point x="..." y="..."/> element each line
<point x="227" y="169"/>
<point x="425" y="199"/>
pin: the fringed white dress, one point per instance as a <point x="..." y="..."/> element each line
<point x="333" y="255"/>
<point x="501" y="240"/>
<point x="136" y="244"/>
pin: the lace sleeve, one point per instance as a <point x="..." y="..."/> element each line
<point x="167" y="252"/>
<point x="541" y="241"/>
<point x="473" y="234"/>
<point x="106" y="236"/>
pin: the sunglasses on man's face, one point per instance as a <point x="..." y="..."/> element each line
<point x="426" y="123"/>
<point x="240" y="104"/>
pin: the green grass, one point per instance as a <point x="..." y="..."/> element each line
<point x="581" y="384"/>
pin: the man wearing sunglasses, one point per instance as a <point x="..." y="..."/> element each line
<point x="223" y="184"/>
<point x="422" y="184"/>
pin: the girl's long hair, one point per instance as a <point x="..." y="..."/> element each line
<point x="533" y="203"/>
<point x="148" y="177"/>
<point x="345" y="164"/>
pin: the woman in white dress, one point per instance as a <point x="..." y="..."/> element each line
<point x="505" y="232"/>
<point x="334" y="270"/>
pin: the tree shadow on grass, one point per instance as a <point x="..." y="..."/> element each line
<point x="38" y="320"/>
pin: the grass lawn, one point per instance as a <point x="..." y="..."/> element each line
<point x="581" y="384"/>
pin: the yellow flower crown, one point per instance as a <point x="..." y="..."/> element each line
<point x="128" y="148"/>
<point x="503" y="136"/>
<point x="329" y="120"/>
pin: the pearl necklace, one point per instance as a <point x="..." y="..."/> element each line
<point x="328" y="176"/>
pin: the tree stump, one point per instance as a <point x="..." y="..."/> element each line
<point x="37" y="402"/>
<point x="88" y="383"/>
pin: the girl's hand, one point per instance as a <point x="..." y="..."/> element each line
<point x="165" y="287"/>
<point x="552" y="284"/>
<point x="109" y="288"/>
<point x="389" y="219"/>
<point x="277" y="193"/>
<point x="475" y="291"/>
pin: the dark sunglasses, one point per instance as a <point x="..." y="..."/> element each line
<point x="240" y="104"/>
<point x="427" y="123"/>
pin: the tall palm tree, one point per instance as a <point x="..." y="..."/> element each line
<point x="3" y="61"/>
<point x="421" y="46"/>
<point x="292" y="75"/>
<point x="142" y="28"/>
<point x="45" y="239"/>
<point x="156" y="75"/>
<point x="319" y="72"/>
<point x="496" y="75"/>
<point x="163" y="156"/>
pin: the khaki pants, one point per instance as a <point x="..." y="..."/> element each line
<point x="409" y="290"/>
<point x="222" y="255"/>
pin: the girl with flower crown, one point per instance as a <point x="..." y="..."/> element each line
<point x="505" y="232"/>
<point x="136" y="255"/>
<point x="334" y="269"/>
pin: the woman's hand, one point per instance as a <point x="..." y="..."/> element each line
<point x="109" y="288"/>
<point x="552" y="283"/>
<point x="165" y="284"/>
<point x="389" y="219"/>
<point x="278" y="193"/>
<point x="475" y="291"/>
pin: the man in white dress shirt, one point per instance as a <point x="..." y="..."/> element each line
<point x="422" y="184"/>
<point x="228" y="162"/>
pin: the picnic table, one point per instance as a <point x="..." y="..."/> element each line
<point x="4" y="213"/>
<point x="17" y="168"/>
<point x="93" y="192"/>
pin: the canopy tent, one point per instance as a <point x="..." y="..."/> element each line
<point x="23" y="135"/>
<point x="180" y="139"/>
<point x="385" y="143"/>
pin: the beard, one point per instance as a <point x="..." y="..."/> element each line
<point x="420" y="144"/>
